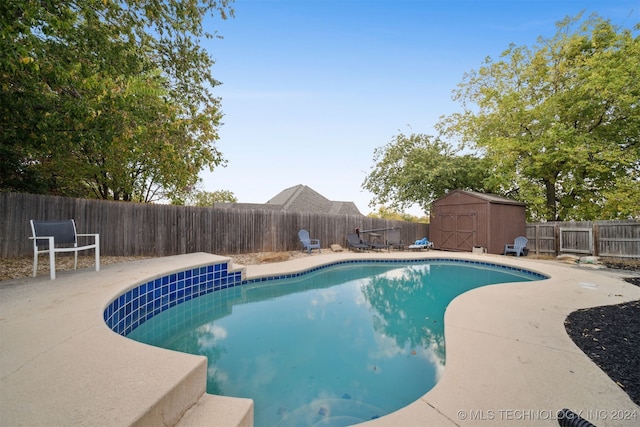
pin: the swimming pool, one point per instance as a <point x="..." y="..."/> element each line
<point x="342" y="344"/>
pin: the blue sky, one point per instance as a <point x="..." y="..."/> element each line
<point x="311" y="87"/>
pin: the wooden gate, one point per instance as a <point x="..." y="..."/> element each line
<point x="576" y="240"/>
<point x="619" y="239"/>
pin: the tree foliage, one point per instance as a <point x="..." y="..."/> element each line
<point x="387" y="213"/>
<point x="417" y="169"/>
<point x="560" y="124"/>
<point x="108" y="99"/>
<point x="556" y="126"/>
<point x="207" y="198"/>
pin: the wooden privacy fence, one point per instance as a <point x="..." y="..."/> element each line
<point x="600" y="238"/>
<point x="137" y="229"/>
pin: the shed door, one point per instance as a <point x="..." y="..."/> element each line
<point x="465" y="231"/>
<point x="447" y="231"/>
<point x="457" y="231"/>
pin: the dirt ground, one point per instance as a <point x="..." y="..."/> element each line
<point x="15" y="268"/>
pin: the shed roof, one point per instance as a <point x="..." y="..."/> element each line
<point x="491" y="198"/>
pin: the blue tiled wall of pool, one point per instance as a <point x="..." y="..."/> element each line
<point x="137" y="305"/>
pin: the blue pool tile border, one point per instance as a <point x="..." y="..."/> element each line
<point x="538" y="276"/>
<point x="135" y="306"/>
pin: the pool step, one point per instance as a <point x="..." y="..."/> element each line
<point x="219" y="411"/>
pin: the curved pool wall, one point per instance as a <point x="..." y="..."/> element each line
<point x="135" y="306"/>
<point x="139" y="304"/>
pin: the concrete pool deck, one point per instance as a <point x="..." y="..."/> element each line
<point x="509" y="360"/>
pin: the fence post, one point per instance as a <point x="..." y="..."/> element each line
<point x="596" y="239"/>
<point x="556" y="238"/>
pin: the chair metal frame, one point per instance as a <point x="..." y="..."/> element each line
<point x="394" y="240"/>
<point x="59" y="236"/>
<point x="353" y="241"/>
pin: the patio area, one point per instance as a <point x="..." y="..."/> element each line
<point x="509" y="360"/>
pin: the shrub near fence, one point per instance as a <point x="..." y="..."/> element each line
<point x="138" y="229"/>
<point x="619" y="239"/>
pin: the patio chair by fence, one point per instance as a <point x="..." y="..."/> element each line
<point x="377" y="245"/>
<point x="307" y="243"/>
<point x="59" y="236"/>
<point x="394" y="240"/>
<point x="517" y="247"/>
<point x="354" y="242"/>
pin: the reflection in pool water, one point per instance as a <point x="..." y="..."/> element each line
<point x="338" y="346"/>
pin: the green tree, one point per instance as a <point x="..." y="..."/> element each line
<point x="108" y="99"/>
<point x="417" y="169"/>
<point x="560" y="124"/>
<point x="206" y="198"/>
<point x="387" y="213"/>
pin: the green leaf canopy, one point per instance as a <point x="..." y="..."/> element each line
<point x="419" y="169"/>
<point x="108" y="99"/>
<point x="560" y="124"/>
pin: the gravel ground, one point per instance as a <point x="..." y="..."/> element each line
<point x="609" y="335"/>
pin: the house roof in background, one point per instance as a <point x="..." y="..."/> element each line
<point x="299" y="198"/>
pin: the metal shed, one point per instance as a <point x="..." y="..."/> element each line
<point x="462" y="220"/>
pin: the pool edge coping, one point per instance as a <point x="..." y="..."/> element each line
<point x="432" y="406"/>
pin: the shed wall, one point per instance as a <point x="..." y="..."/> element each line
<point x="462" y="220"/>
<point x="506" y="222"/>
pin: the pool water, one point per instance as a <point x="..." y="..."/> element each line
<point x="339" y="346"/>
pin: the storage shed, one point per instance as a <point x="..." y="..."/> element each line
<point x="462" y="220"/>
